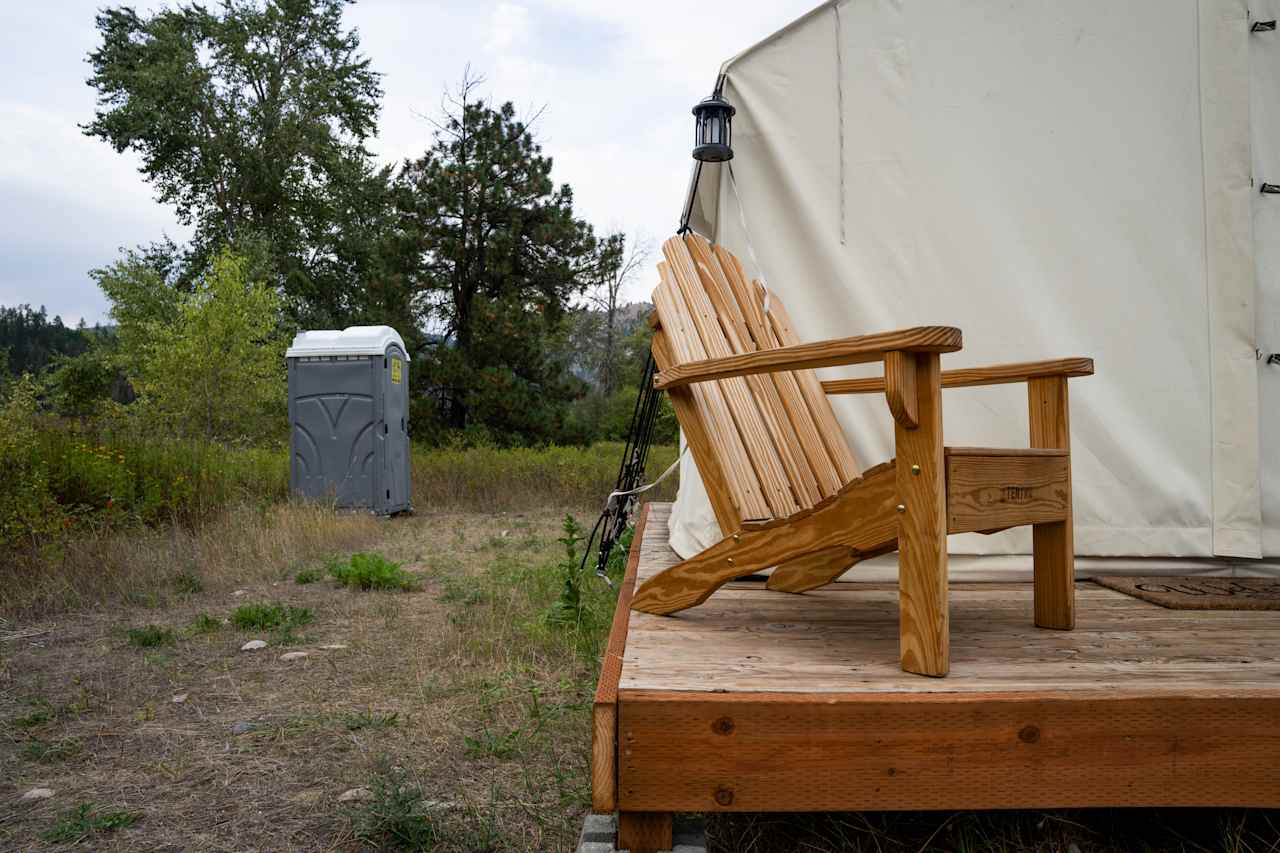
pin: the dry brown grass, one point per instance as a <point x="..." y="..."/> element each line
<point x="460" y="689"/>
<point x="489" y="479"/>
<point x="461" y="693"/>
<point x="153" y="567"/>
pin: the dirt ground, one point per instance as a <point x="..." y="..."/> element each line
<point x="451" y="718"/>
<point x="455" y="692"/>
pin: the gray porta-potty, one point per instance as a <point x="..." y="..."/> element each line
<point x="349" y="418"/>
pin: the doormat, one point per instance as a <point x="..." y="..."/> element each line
<point x="1199" y="593"/>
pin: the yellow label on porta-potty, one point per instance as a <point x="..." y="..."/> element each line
<point x="395" y="370"/>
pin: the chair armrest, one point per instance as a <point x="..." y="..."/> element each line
<point x="996" y="374"/>
<point x="840" y="351"/>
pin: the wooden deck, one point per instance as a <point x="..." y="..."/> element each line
<point x="764" y="701"/>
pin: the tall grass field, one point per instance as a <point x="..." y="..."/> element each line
<point x="87" y="513"/>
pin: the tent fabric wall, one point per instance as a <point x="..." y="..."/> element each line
<point x="1056" y="179"/>
<point x="1264" y="91"/>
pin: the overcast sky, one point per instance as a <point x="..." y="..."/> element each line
<point x="617" y="80"/>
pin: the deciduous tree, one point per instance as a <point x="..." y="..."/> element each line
<point x="251" y="121"/>
<point x="206" y="362"/>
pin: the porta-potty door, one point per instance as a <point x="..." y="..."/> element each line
<point x="334" y="417"/>
<point x="395" y="397"/>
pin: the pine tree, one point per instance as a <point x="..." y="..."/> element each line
<point x="495" y="254"/>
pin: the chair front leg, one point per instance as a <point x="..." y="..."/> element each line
<point x="1053" y="545"/>
<point x="923" y="632"/>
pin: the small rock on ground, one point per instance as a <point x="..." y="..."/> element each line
<point x="241" y="592"/>
<point x="253" y="645"/>
<point x="334" y="646"/>
<point x="356" y="795"/>
<point x="179" y="699"/>
<point x="37" y="794"/>
<point x="288" y="656"/>
<point x="241" y="728"/>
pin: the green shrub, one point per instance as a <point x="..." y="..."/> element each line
<point x="81" y="384"/>
<point x="307" y="576"/>
<point x="127" y="477"/>
<point x="28" y="511"/>
<point x="42" y="712"/>
<point x="268" y="616"/>
<point x="205" y="624"/>
<point x="372" y="571"/>
<point x="185" y="348"/>
<point x="396" y="817"/>
<point x="84" y="821"/>
<point x="49" y="752"/>
<point x="150" y="636"/>
<point x="63" y="477"/>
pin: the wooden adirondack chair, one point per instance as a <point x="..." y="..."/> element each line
<point x="784" y="484"/>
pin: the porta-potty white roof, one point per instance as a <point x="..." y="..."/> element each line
<point x="353" y="340"/>
<point x="1056" y="179"/>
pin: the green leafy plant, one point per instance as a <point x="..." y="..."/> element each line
<point x="568" y="608"/>
<point x="307" y="576"/>
<point x="84" y="821"/>
<point x="490" y="743"/>
<point x="150" y="636"/>
<point x="372" y="571"/>
<point x="205" y="624"/>
<point x="42" y="711"/>
<point x="359" y="720"/>
<point x="396" y="816"/>
<point x="47" y="752"/>
<point x="268" y="616"/>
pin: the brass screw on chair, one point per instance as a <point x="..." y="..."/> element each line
<point x="901" y="507"/>
<point x="915" y="470"/>
<point x="731" y="561"/>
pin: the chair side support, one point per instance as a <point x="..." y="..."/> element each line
<point x="923" y="622"/>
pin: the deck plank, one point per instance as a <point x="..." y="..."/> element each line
<point x="844" y="638"/>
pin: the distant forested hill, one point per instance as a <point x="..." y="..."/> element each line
<point x="32" y="340"/>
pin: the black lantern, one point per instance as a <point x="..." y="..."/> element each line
<point x="713" y="129"/>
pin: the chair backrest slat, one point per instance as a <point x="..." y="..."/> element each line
<point x="773" y="411"/>
<point x="761" y="452"/>
<point x="694" y="426"/>
<point x="811" y="389"/>
<point x="709" y="401"/>
<point x="828" y="476"/>
<point x="772" y="440"/>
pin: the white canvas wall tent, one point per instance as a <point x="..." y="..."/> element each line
<point x="1056" y="179"/>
